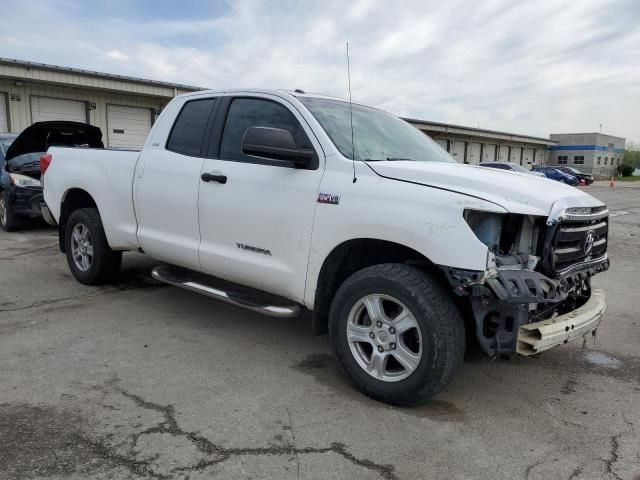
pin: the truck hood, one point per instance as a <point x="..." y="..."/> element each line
<point x="42" y="135"/>
<point x="516" y="192"/>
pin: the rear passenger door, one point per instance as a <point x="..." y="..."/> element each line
<point x="166" y="186"/>
<point x="256" y="227"/>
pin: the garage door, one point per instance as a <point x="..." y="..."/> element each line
<point x="127" y="126"/>
<point x="474" y="154"/>
<point x="503" y="154"/>
<point x="443" y="144"/>
<point x="44" y="109"/>
<point x="528" y="156"/>
<point x="4" y="122"/>
<point x="458" y="151"/>
<point x="539" y="156"/>
<point x="515" y="155"/>
<point x="489" y="153"/>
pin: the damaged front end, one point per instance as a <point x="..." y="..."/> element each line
<point x="536" y="291"/>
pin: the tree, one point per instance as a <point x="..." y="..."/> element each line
<point x="632" y="155"/>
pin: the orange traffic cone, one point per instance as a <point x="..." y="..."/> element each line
<point x="612" y="183"/>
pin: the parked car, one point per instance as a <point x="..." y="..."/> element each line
<point x="559" y="175"/>
<point x="386" y="242"/>
<point x="20" y="188"/>
<point x="587" y="177"/>
<point x="513" y="167"/>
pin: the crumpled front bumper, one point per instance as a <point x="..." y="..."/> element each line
<point x="540" y="336"/>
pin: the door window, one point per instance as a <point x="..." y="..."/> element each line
<point x="189" y="129"/>
<point x="245" y="113"/>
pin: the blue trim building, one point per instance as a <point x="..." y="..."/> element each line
<point x="594" y="153"/>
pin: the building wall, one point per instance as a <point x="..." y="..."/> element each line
<point x="602" y="153"/>
<point x="19" y="111"/>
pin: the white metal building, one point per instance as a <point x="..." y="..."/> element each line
<point x="123" y="107"/>
<point x="475" y="145"/>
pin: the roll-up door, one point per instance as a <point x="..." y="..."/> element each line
<point x="458" y="151"/>
<point x="444" y="144"/>
<point x="4" y="117"/>
<point x="127" y="126"/>
<point x="489" y="153"/>
<point x="528" y="156"/>
<point x="474" y="154"/>
<point x="539" y="156"/>
<point x="503" y="154"/>
<point x="44" y="109"/>
<point x="516" y="153"/>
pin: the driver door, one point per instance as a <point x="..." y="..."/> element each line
<point x="256" y="227"/>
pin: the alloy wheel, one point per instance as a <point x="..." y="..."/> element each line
<point x="384" y="337"/>
<point x="81" y="247"/>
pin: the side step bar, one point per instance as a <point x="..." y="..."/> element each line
<point x="254" y="300"/>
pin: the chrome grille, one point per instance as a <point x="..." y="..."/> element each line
<point x="578" y="241"/>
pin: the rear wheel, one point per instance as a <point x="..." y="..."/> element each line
<point x="8" y="220"/>
<point x="89" y="256"/>
<point x="396" y="333"/>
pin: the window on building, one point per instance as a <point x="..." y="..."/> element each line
<point x="189" y="128"/>
<point x="578" y="159"/>
<point x="606" y="160"/>
<point x="599" y="160"/>
<point x="562" y="159"/>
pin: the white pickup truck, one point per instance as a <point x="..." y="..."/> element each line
<point x="270" y="201"/>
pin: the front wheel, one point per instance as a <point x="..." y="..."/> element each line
<point x="396" y="333"/>
<point x="8" y="221"/>
<point x="89" y="256"/>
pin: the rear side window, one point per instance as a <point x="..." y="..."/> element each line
<point x="190" y="127"/>
<point x="245" y="113"/>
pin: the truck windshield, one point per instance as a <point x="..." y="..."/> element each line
<point x="377" y="135"/>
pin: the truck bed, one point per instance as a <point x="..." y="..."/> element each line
<point x="108" y="176"/>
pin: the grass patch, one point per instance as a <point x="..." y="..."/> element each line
<point x="629" y="179"/>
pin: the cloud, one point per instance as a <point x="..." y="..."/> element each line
<point x="528" y="67"/>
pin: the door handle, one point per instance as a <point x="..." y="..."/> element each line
<point x="212" y="177"/>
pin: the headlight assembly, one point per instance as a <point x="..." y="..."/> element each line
<point x="23" y="181"/>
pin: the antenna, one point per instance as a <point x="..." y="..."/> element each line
<point x="353" y="147"/>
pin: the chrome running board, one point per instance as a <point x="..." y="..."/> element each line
<point x="237" y="295"/>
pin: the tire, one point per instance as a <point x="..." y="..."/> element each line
<point x="97" y="263"/>
<point x="8" y="220"/>
<point x="436" y="341"/>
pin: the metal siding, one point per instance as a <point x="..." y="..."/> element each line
<point x="458" y="151"/>
<point x="503" y="154"/>
<point x="489" y="153"/>
<point x="133" y="122"/>
<point x="4" y="117"/>
<point x="474" y="154"/>
<point x="45" y="108"/>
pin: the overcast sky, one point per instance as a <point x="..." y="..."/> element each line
<point x="529" y="67"/>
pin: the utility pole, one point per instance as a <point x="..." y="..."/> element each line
<point x="600" y="128"/>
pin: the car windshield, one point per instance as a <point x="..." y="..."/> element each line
<point x="377" y="135"/>
<point x="4" y="145"/>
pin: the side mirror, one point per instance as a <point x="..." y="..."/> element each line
<point x="275" y="144"/>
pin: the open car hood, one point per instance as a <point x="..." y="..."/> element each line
<point x="42" y="135"/>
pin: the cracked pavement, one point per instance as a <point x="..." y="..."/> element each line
<point x="138" y="380"/>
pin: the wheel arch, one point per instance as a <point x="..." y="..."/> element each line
<point x="351" y="256"/>
<point x="72" y="200"/>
